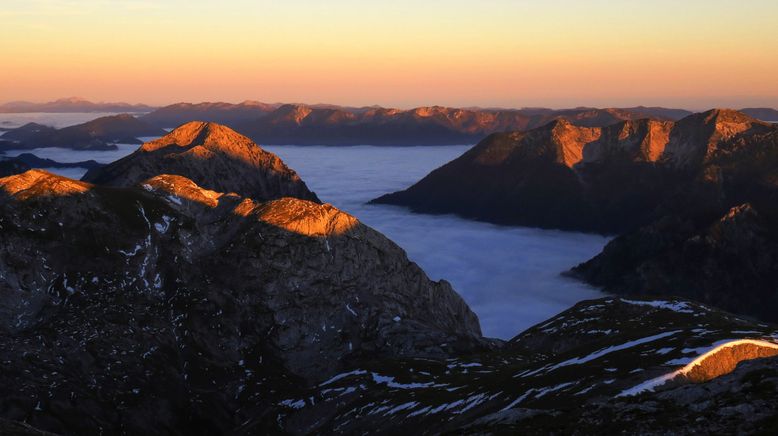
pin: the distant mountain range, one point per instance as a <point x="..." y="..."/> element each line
<point x="72" y="104"/>
<point x="300" y="124"/>
<point x="99" y="134"/>
<point x="326" y="124"/>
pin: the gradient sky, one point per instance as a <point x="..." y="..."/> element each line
<point x="511" y="53"/>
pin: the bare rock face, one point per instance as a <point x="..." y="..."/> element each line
<point x="170" y="306"/>
<point x="213" y="156"/>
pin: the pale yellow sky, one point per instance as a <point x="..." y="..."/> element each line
<point x="693" y="53"/>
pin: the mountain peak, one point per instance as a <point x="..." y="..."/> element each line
<point x="213" y="156"/>
<point x="558" y="123"/>
<point x="208" y="134"/>
<point x="38" y="183"/>
<point x="293" y="112"/>
<point x="727" y="115"/>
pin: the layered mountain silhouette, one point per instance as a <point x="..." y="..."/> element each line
<point x="72" y="104"/>
<point x="99" y="134"/>
<point x="762" y="113"/>
<point x="213" y="156"/>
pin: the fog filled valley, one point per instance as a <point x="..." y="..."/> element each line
<point x="511" y="277"/>
<point x="196" y="282"/>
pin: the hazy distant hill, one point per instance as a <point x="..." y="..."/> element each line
<point x="99" y="134"/>
<point x="72" y="104"/>
<point x="762" y="113"/>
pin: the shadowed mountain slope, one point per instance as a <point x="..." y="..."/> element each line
<point x="609" y="179"/>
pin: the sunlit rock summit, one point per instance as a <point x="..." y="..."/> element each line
<point x="214" y="157"/>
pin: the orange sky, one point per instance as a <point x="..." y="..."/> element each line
<point x="557" y="53"/>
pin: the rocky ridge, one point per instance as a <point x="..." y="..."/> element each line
<point x="301" y="124"/>
<point x="609" y="179"/>
<point x="213" y="156"/>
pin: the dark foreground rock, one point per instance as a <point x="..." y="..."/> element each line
<point x="580" y="372"/>
<point x="170" y="308"/>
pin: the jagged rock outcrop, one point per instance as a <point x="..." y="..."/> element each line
<point x="99" y="134"/>
<point x="167" y="307"/>
<point x="213" y="156"/>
